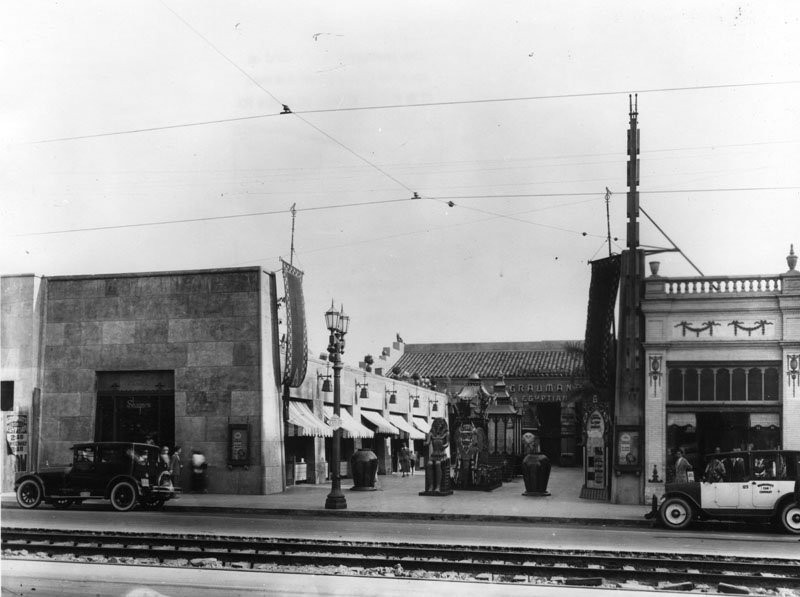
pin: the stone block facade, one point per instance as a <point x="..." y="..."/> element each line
<point x="212" y="330"/>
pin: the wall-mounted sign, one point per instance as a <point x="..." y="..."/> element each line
<point x="17" y="434"/>
<point x="628" y="449"/>
<point x="239" y="444"/>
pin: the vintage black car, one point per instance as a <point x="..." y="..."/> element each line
<point x="756" y="485"/>
<point x="125" y="473"/>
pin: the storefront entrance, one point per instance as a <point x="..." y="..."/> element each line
<point x="701" y="432"/>
<point x="136" y="407"/>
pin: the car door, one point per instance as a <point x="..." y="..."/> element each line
<point x="767" y="483"/>
<point x="82" y="477"/>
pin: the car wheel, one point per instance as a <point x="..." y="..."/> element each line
<point x="29" y="494"/>
<point x="61" y="503"/>
<point x="789" y="518"/>
<point x="123" y="496"/>
<point x="676" y="513"/>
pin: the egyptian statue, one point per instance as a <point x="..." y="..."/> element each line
<point x="437" y="468"/>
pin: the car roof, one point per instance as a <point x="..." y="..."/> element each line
<point x="754" y="452"/>
<point x="114" y="444"/>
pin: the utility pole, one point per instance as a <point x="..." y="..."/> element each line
<point x="627" y="485"/>
<point x="608" y="221"/>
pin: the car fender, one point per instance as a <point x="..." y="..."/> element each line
<point x="688" y="491"/>
<point x="26" y="476"/>
<point x="119" y="478"/>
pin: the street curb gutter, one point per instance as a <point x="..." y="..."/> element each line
<point x="417" y="516"/>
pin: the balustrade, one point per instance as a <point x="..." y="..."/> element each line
<point x="717" y="285"/>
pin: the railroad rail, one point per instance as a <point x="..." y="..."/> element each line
<point x="534" y="565"/>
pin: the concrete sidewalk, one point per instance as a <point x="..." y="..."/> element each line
<point x="397" y="497"/>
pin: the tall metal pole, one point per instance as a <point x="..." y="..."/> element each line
<point x="336" y="499"/>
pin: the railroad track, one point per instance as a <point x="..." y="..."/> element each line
<point x="503" y="564"/>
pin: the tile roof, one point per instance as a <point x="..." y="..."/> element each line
<point x="533" y="362"/>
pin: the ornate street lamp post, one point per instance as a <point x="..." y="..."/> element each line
<point x="337" y="323"/>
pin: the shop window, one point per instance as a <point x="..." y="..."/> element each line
<point x="754" y="387"/>
<point x="7" y="396"/>
<point x="707" y="384"/>
<point x="675" y="385"/>
<point x="739" y="385"/>
<point x="690" y="385"/>
<point x="771" y="384"/>
<point x="723" y="389"/>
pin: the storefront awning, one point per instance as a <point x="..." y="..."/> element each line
<point x="381" y="424"/>
<point x="421" y="424"/>
<point x="350" y="426"/>
<point x="404" y="425"/>
<point x="305" y="422"/>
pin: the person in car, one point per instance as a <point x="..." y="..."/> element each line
<point x="715" y="469"/>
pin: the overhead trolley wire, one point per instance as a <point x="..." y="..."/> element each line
<point x="543" y="97"/>
<point x="441" y="199"/>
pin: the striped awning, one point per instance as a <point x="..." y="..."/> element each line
<point x="350" y="426"/>
<point x="304" y="422"/>
<point x="421" y="424"/>
<point x="381" y="424"/>
<point x="404" y="425"/>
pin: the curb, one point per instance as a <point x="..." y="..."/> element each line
<point x="418" y="516"/>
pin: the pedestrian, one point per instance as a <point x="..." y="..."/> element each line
<point x="682" y="467"/>
<point x="176" y="465"/>
<point x="413" y="457"/>
<point x="405" y="461"/>
<point x="163" y="459"/>
<point x="199" y="469"/>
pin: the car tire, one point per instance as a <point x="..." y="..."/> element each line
<point x="29" y="494"/>
<point x="123" y="496"/>
<point x="61" y="503"/>
<point x="789" y="518"/>
<point x="676" y="513"/>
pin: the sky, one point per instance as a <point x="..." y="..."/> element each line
<point x="148" y="136"/>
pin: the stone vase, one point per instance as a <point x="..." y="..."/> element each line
<point x="536" y="474"/>
<point x="364" y="464"/>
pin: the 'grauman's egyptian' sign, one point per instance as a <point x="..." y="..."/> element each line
<point x="540" y="392"/>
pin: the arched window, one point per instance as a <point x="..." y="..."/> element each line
<point x="723" y="392"/>
<point x="754" y="388"/>
<point x="675" y="385"/>
<point x="771" y="385"/>
<point x="691" y="385"/>
<point x="707" y="384"/>
<point x="739" y="385"/>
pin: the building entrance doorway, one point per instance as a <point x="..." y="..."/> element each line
<point x="136" y="407"/>
<point x="549" y="415"/>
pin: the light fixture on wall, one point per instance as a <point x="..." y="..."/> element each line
<point x="364" y="393"/>
<point x="435" y="407"/>
<point x="793" y="369"/>
<point x="392" y="394"/>
<point x="655" y="371"/>
<point x="416" y="399"/>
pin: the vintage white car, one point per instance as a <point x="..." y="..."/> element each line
<point x="757" y="485"/>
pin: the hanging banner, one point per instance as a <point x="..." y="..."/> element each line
<point x="599" y="341"/>
<point x="296" y="340"/>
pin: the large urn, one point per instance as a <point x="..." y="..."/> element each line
<point x="536" y="473"/>
<point x="364" y="465"/>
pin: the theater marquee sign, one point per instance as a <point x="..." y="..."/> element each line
<point x="540" y="392"/>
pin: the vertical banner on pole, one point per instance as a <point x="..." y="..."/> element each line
<point x="296" y="338"/>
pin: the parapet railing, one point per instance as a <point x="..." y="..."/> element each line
<point x="714" y="285"/>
